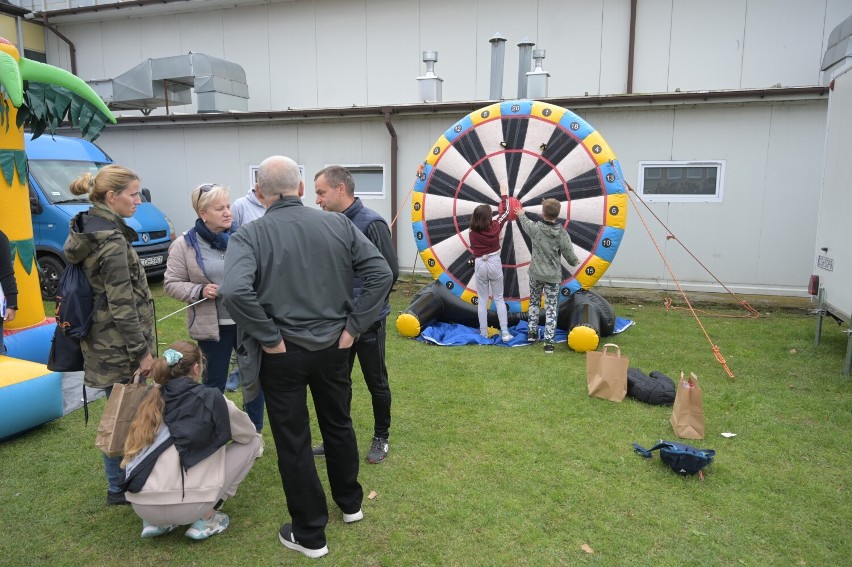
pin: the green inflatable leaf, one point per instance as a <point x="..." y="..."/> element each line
<point x="21" y="166"/>
<point x="10" y="160"/>
<point x="25" y="249"/>
<point x="46" y="106"/>
<point x="7" y="166"/>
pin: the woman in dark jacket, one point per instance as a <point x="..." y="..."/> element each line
<point x="8" y="285"/>
<point x="121" y="339"/>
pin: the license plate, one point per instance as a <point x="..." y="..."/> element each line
<point x="825" y="263"/>
<point x="152" y="261"/>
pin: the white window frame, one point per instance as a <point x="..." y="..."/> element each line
<point x="253" y="174"/>
<point x="355" y="167"/>
<point x="719" y="164"/>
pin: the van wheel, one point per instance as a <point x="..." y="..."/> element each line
<point x="51" y="270"/>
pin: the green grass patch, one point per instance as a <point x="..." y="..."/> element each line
<point x="499" y="457"/>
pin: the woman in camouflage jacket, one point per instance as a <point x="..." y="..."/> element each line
<point x="121" y="338"/>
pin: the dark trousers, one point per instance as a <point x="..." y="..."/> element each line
<point x="218" y="360"/>
<point x="370" y="349"/>
<point x="218" y="355"/>
<point x="285" y="378"/>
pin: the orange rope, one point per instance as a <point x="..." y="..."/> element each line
<point x="399" y="212"/>
<point x="753" y="313"/>
<point x="716" y="352"/>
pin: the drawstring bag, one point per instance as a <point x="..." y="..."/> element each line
<point x="683" y="459"/>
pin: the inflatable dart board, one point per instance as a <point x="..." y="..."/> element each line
<point x="539" y="151"/>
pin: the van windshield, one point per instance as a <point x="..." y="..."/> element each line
<point x="55" y="178"/>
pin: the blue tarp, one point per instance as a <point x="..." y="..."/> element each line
<point x="454" y="334"/>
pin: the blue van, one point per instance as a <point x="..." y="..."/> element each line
<point x="54" y="162"/>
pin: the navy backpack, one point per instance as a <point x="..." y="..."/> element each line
<point x="683" y="459"/>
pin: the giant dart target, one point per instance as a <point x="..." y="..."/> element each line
<point x="539" y="151"/>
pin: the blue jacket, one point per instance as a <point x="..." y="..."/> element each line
<point x="379" y="235"/>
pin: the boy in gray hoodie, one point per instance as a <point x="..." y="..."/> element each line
<point x="550" y="243"/>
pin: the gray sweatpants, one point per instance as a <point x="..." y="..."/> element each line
<point x="239" y="459"/>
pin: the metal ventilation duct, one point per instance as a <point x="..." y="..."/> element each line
<point x="838" y="50"/>
<point x="166" y="81"/>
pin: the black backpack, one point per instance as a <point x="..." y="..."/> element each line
<point x="683" y="459"/>
<point x="656" y="389"/>
<point x="75" y="304"/>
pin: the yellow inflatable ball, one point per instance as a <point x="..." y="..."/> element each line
<point x="583" y="338"/>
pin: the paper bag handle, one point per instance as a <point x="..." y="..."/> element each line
<point x="689" y="382"/>
<point x="603" y="350"/>
<point x="138" y="378"/>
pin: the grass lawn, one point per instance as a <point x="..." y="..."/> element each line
<point x="499" y="457"/>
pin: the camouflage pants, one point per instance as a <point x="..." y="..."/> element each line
<point x="551" y="304"/>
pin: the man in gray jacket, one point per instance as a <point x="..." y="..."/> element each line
<point x="288" y="286"/>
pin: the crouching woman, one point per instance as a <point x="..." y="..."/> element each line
<point x="179" y="463"/>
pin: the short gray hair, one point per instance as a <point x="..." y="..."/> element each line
<point x="337" y="175"/>
<point x="278" y="175"/>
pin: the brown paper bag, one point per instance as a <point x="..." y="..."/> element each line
<point x="118" y="413"/>
<point x="688" y="410"/>
<point x="606" y="373"/>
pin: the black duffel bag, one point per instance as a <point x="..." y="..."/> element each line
<point x="656" y="389"/>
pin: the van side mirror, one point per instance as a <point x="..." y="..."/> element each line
<point x="146" y="193"/>
<point x="35" y="206"/>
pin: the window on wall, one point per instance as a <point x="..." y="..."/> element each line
<point x="369" y="180"/>
<point x="253" y="174"/>
<point x="682" y="181"/>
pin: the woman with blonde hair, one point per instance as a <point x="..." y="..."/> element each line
<point x="194" y="270"/>
<point x="179" y="464"/>
<point x="121" y="338"/>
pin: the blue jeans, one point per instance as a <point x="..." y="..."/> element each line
<point x="218" y="355"/>
<point x="254" y="409"/>
<point x="114" y="474"/>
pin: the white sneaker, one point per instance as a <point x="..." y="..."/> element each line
<point x="288" y="540"/>
<point x="351" y="518"/>
<point x="202" y="529"/>
<point x="149" y="530"/>
<point x="507" y="336"/>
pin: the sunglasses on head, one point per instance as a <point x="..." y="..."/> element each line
<point x="206" y="188"/>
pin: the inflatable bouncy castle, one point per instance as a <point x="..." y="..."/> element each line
<point x="38" y="97"/>
<point x="538" y="151"/>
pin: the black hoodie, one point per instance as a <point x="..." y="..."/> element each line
<point x="197" y="417"/>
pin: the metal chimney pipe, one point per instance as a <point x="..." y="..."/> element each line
<point x="498" y="56"/>
<point x="537" y="79"/>
<point x="524" y="61"/>
<point x="430" y="84"/>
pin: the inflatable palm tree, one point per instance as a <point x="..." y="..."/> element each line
<point x="39" y="97"/>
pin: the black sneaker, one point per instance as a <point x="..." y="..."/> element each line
<point x="548" y="348"/>
<point x="288" y="540"/>
<point x="116" y="499"/>
<point x="378" y="451"/>
<point x="319" y="450"/>
<point x="532" y="339"/>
